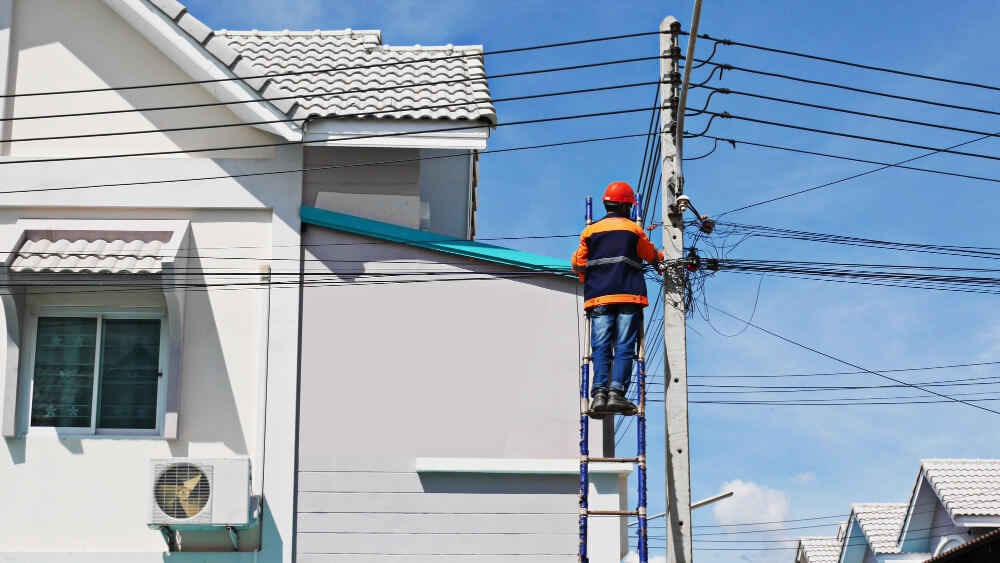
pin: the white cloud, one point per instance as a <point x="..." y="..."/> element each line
<point x="803" y="478"/>
<point x="750" y="503"/>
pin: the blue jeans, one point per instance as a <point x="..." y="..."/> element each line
<point x="614" y="329"/>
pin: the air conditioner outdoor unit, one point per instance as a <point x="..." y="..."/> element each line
<point x="200" y="493"/>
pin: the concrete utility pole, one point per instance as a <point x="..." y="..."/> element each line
<point x="672" y="103"/>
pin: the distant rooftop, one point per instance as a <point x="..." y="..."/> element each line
<point x="820" y="550"/>
<point x="967" y="487"/>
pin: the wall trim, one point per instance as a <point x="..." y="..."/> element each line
<point x="514" y="465"/>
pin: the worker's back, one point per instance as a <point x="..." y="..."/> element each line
<point x="610" y="257"/>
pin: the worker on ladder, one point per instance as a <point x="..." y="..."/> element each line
<point x="609" y="262"/>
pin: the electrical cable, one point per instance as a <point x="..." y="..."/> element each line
<point x="464" y="154"/>
<point x="308" y="142"/>
<point x="338" y="116"/>
<point x="848" y="178"/>
<point x="849" y="372"/>
<point x="645" y="151"/>
<point x="760" y="231"/>
<point x="727" y="115"/>
<point x="723" y="389"/>
<point x="853" y="64"/>
<point x="123" y="286"/>
<point x="835" y="85"/>
<point x="330" y="69"/>
<point x="335" y="92"/>
<point x="715" y="145"/>
<point x="855" y="366"/>
<point x="846" y="111"/>
<point x="735" y="142"/>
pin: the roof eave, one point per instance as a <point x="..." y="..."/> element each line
<point x="199" y="63"/>
<point x="398" y="133"/>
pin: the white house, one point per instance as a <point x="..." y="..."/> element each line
<point x="954" y="503"/>
<point x="154" y="279"/>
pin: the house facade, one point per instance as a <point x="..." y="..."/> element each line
<point x="195" y="319"/>
<point x="953" y="513"/>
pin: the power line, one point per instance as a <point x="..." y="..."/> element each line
<point x="337" y="92"/>
<point x="308" y="142"/>
<point x="844" y="110"/>
<point x="734" y="142"/>
<point x="339" y="115"/>
<point x="751" y="389"/>
<point x="318" y="168"/>
<point x="981" y="252"/>
<point x="874" y="274"/>
<point x="333" y="281"/>
<point x="851" y="177"/>
<point x="853" y="64"/>
<point x="332" y="69"/>
<point x="949" y="366"/>
<point x="727" y="115"/>
<point x="855" y="366"/>
<point x="838" y="86"/>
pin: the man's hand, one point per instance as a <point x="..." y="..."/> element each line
<point x="661" y="267"/>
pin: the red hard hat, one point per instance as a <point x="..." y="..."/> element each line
<point x="619" y="192"/>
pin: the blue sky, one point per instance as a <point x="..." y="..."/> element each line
<point x="790" y="462"/>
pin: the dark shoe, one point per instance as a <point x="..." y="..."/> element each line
<point x="599" y="405"/>
<point x="617" y="403"/>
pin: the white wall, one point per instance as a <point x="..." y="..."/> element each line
<point x="83" y="44"/>
<point x="223" y="374"/>
<point x="449" y="369"/>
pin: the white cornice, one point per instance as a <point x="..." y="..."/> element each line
<point x="398" y="133"/>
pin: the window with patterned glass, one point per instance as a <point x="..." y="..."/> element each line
<point x="96" y="373"/>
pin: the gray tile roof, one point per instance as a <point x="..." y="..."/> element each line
<point x="820" y="550"/>
<point x="881" y="523"/>
<point x="967" y="487"/>
<point x="219" y="48"/>
<point x="366" y="64"/>
<point x="113" y="252"/>
<point x="396" y="82"/>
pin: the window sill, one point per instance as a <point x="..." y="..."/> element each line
<point x="50" y="433"/>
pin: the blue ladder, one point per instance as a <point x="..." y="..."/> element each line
<point x="586" y="459"/>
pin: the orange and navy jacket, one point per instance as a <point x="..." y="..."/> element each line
<point x="609" y="262"/>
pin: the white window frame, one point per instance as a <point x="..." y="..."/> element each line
<point x="100" y="313"/>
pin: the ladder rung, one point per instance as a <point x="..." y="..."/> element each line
<point x="589" y="412"/>
<point x="612" y="512"/>
<point x="615" y="459"/>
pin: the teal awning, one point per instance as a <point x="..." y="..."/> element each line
<point x="433" y="241"/>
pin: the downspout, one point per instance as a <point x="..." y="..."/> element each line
<point x="470" y="231"/>
<point x="298" y="389"/>
<point x="257" y="486"/>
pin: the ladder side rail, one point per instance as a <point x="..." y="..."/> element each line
<point x="640" y="454"/>
<point x="585" y="422"/>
